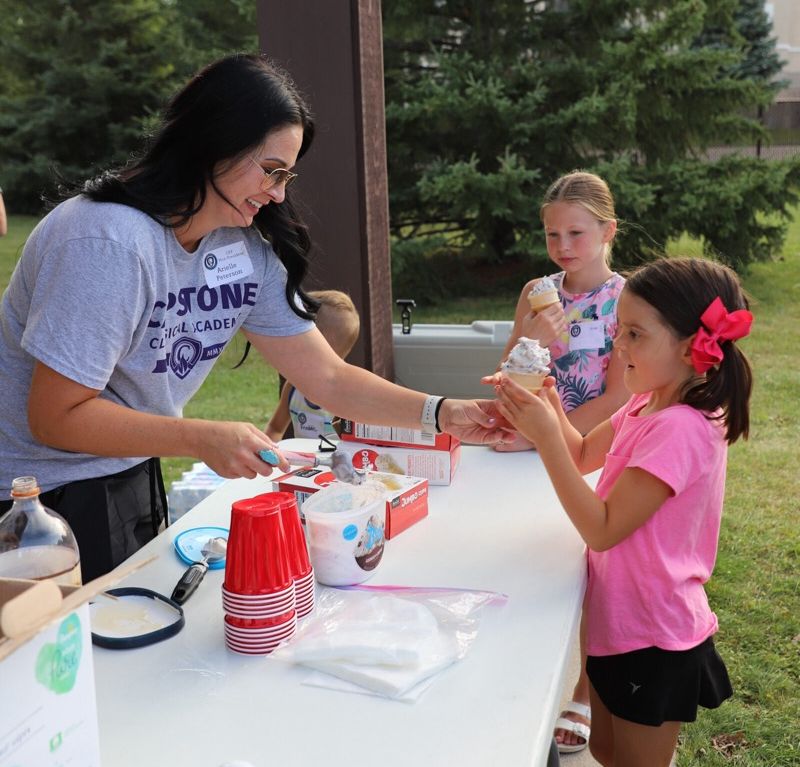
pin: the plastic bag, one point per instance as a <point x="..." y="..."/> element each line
<point x="387" y="639"/>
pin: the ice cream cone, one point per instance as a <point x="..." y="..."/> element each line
<point x="539" y="301"/>
<point x="530" y="381"/>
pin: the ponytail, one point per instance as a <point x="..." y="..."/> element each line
<point x="725" y="392"/>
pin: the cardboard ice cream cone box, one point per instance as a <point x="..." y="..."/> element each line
<point x="47" y="705"/>
<point x="437" y="466"/>
<point x="393" y="436"/>
<point x="406" y="497"/>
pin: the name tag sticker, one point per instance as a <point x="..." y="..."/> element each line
<point x="227" y="264"/>
<point x="587" y="335"/>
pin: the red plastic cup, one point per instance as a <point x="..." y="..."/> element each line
<point x="257" y="559"/>
<point x="299" y="563"/>
<point x="266" y="626"/>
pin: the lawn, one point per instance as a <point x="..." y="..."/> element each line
<point x="755" y="589"/>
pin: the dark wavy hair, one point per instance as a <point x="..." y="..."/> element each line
<point x="222" y="115"/>
<point x="681" y="289"/>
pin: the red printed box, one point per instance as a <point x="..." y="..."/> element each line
<point x="437" y="466"/>
<point x="394" y="436"/>
<point x="406" y="500"/>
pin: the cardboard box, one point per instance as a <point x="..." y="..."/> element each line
<point x="406" y="502"/>
<point x="393" y="436"/>
<point x="437" y="466"/>
<point x="47" y="705"/>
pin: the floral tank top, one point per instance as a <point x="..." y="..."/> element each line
<point x="580" y="372"/>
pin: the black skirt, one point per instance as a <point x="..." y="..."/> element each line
<point x="653" y="686"/>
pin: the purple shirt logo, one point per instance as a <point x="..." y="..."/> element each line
<point x="185" y="353"/>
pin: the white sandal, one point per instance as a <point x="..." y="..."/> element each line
<point x="578" y="728"/>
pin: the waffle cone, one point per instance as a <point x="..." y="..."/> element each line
<point x="539" y="301"/>
<point x="530" y="381"/>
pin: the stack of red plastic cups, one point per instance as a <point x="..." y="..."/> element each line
<point x="258" y="592"/>
<point x="300" y="564"/>
<point x="269" y="581"/>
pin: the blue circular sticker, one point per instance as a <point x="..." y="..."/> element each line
<point x="350" y="532"/>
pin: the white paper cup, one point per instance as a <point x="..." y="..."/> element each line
<point x="345" y="526"/>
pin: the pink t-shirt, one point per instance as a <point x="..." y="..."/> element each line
<point x="647" y="591"/>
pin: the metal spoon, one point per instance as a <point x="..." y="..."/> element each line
<point x="213" y="550"/>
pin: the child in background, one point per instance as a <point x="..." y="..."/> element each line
<point x="338" y="321"/>
<point x="652" y="525"/>
<point x="580" y="225"/>
<point x="578" y="327"/>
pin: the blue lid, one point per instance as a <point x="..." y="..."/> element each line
<point x="189" y="544"/>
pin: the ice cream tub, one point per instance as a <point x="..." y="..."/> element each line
<point x="345" y="525"/>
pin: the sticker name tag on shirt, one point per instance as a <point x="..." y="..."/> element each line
<point x="227" y="264"/>
<point x="587" y="335"/>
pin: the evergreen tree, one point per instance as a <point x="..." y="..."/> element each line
<point x="761" y="60"/>
<point x="84" y="80"/>
<point x="487" y="103"/>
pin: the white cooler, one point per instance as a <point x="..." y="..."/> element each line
<point x="450" y="359"/>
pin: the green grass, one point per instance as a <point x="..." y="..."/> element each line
<point x="755" y="589"/>
<point x="19" y="227"/>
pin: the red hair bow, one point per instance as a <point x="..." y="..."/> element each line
<point x="717" y="325"/>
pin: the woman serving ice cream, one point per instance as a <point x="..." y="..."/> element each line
<point x="126" y="294"/>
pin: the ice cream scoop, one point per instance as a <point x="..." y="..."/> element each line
<point x="340" y="464"/>
<point x="213" y="550"/>
<point x="528" y="364"/>
<point x="543" y="294"/>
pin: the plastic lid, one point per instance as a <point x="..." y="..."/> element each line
<point x="189" y="544"/>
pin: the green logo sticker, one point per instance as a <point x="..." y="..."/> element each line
<point x="57" y="664"/>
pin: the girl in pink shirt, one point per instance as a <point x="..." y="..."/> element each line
<point x="652" y="524"/>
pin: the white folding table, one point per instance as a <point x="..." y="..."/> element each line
<point x="498" y="526"/>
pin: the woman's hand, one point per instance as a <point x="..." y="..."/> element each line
<point x="474" y="421"/>
<point x="231" y="449"/>
<point x="546" y="326"/>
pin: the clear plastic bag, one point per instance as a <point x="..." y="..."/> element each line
<point x="388" y="639"/>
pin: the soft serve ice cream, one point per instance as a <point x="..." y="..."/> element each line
<point x="528" y="364"/>
<point x="543" y="294"/>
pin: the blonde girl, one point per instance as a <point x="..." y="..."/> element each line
<point x="580" y="225"/>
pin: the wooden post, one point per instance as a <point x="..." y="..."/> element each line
<point x="334" y="51"/>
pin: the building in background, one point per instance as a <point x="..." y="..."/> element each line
<point x="784" y="114"/>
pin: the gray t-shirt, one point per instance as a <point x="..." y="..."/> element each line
<point x="107" y="297"/>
